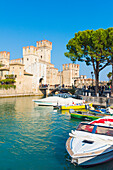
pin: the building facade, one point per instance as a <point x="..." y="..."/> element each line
<point x="35" y="68"/>
<point x="70" y="73"/>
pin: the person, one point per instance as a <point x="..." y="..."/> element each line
<point x="107" y="102"/>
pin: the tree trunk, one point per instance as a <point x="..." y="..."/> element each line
<point x="96" y="71"/>
<point x="112" y="80"/>
<point x="97" y="81"/>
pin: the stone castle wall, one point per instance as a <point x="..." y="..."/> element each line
<point x="35" y="66"/>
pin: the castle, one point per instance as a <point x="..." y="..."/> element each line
<point x="35" y="67"/>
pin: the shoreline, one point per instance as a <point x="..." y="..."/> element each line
<point x="101" y="101"/>
<point x="18" y="95"/>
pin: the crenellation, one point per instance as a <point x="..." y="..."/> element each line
<point x="18" y="60"/>
<point x="71" y="65"/>
<point x="66" y="66"/>
<point x="44" y="43"/>
<point x="30" y="50"/>
<point x="5" y="54"/>
<point x="63" y="65"/>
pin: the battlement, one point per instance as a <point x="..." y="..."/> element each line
<point x="4" y="54"/>
<point x="18" y="60"/>
<point x="44" y="43"/>
<point x="30" y="50"/>
<point x="70" y="66"/>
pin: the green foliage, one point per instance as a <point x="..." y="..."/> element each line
<point x="94" y="47"/>
<point x="1" y="64"/>
<point x="8" y="81"/>
<point x="10" y="76"/>
<point x="7" y="86"/>
<point x="89" y="46"/>
<point x="109" y="75"/>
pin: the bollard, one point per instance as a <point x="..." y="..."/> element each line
<point x="89" y="94"/>
<point x="97" y="94"/>
<point x="107" y="95"/>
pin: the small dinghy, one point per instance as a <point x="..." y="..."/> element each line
<point x="84" y="115"/>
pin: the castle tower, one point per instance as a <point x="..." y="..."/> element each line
<point x="70" y="73"/>
<point x="36" y="59"/>
<point x="4" y="58"/>
<point x="44" y="50"/>
<point x="30" y="56"/>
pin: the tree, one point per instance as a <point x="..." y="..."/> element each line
<point x="109" y="75"/>
<point x="90" y="47"/>
<point x="109" y="48"/>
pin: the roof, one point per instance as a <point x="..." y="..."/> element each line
<point x="17" y="64"/>
<point x="4" y="68"/>
<point x="29" y="74"/>
<point x="16" y="59"/>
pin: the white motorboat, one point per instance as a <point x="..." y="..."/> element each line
<point x="91" y="143"/>
<point x="56" y="101"/>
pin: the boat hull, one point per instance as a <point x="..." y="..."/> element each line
<point x="44" y="104"/>
<point x="84" y="117"/>
<point x="94" y="160"/>
<point x="75" y="107"/>
<point x="89" y="159"/>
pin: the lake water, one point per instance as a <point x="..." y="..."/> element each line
<point x="33" y="138"/>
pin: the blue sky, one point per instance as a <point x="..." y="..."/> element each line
<point x="24" y="22"/>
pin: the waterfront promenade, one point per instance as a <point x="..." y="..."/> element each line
<point x="79" y="93"/>
<point x="101" y="101"/>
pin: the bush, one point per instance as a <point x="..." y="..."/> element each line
<point x="7" y="81"/>
<point x="10" y="76"/>
<point x="7" y="86"/>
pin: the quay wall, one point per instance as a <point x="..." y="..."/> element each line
<point x="14" y="93"/>
<point x="102" y="101"/>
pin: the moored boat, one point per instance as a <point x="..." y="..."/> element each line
<point x="89" y="115"/>
<point x="77" y="106"/>
<point x="57" y="101"/>
<point x="85" y="116"/>
<point x="91" y="143"/>
<point x="107" y="110"/>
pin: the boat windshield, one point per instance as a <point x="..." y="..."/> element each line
<point x="85" y="127"/>
<point x="104" y="130"/>
<point x="97" y="129"/>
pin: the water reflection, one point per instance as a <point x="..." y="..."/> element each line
<point x="67" y="111"/>
<point x="33" y="137"/>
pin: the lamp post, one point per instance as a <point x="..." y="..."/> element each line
<point x="92" y="78"/>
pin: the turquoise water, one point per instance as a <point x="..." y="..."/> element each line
<point x="33" y="138"/>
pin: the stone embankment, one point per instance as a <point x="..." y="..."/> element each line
<point x="101" y="101"/>
<point x="14" y="93"/>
